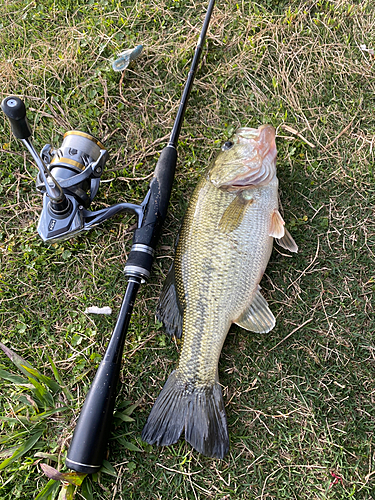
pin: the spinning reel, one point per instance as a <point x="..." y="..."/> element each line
<point x="68" y="178"/>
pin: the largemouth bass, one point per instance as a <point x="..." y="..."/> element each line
<point x="224" y="247"/>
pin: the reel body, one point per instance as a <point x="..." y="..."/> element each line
<point x="77" y="167"/>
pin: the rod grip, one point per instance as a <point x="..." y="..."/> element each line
<point x="160" y="192"/>
<point x="90" y="438"/>
<point x="148" y="234"/>
<point x="15" y="110"/>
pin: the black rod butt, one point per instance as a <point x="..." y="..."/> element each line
<point x="83" y="468"/>
<point x="89" y="444"/>
<point x="90" y="439"/>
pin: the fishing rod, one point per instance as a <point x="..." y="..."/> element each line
<point x="92" y="431"/>
<point x="69" y="179"/>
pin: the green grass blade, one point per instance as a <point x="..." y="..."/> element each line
<point x="26" y="368"/>
<point x="67" y="492"/>
<point x="24" y="448"/>
<point x="17" y="359"/>
<point x="130" y="409"/>
<point x="7" y="452"/>
<point x="14" y="435"/>
<point x="42" y="393"/>
<point x="122" y="416"/>
<point x="48" y="413"/>
<point x="49" y="491"/>
<point x="129" y="446"/>
<point x="13" y="420"/>
<point x="43" y="378"/>
<point x="107" y="468"/>
<point x="59" y="380"/>
<point x="86" y="489"/>
<point x="15" y="379"/>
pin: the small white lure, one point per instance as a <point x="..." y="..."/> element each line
<point x="124" y="58"/>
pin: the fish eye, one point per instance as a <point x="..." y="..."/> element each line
<point x="227" y="145"/>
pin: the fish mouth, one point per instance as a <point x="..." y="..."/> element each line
<point x="264" y="135"/>
<point x="248" y="133"/>
<point x="251" y="161"/>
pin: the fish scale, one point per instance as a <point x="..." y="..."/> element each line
<point x="229" y="290"/>
<point x="223" y="249"/>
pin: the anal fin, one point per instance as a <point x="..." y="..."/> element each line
<point x="258" y="317"/>
<point x="169" y="310"/>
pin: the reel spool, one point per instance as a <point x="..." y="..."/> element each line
<point x="77" y="165"/>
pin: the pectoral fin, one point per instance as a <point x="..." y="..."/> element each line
<point x="169" y="310"/>
<point x="281" y="234"/>
<point x="234" y="213"/>
<point x="277" y="229"/>
<point x="258" y="317"/>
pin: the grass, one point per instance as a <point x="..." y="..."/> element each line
<point x="300" y="399"/>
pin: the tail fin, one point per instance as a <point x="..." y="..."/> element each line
<point x="200" y="411"/>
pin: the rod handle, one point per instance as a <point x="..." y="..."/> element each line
<point x="89" y="442"/>
<point x="147" y="236"/>
<point x="15" y="110"/>
<point x="90" y="438"/>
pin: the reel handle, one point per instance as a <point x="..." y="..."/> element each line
<point x="15" y="110"/>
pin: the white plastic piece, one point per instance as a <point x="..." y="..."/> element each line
<point x="99" y="310"/>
